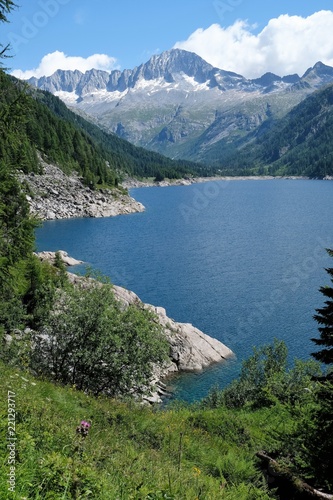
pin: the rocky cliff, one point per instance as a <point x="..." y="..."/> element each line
<point x="190" y="348"/>
<point x="55" y="195"/>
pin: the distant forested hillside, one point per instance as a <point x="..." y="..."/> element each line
<point x="299" y="144"/>
<point x="28" y="126"/>
<point x="126" y="157"/>
<point x="67" y="139"/>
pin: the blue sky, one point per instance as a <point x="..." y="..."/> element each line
<point x="128" y="32"/>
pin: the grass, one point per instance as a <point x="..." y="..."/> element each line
<point x="131" y="451"/>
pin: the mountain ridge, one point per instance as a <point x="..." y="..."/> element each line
<point x="163" y="65"/>
<point x="179" y="105"/>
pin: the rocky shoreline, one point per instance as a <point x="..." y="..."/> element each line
<point x="191" y="350"/>
<point x="55" y="195"/>
<point x="135" y="183"/>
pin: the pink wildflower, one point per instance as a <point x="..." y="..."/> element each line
<point x="83" y="428"/>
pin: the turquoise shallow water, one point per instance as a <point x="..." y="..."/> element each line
<point x="241" y="260"/>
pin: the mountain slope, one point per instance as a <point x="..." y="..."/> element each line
<point x="299" y="144"/>
<point x="72" y="142"/>
<point x="178" y="104"/>
<point x="128" y="159"/>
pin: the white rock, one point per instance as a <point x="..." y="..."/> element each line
<point x="190" y="348"/>
<point x="50" y="257"/>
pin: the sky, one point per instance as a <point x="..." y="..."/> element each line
<point x="249" y="37"/>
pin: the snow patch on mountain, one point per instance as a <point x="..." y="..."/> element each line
<point x="68" y="97"/>
<point x="177" y="99"/>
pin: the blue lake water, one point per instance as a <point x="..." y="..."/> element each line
<point x="241" y="260"/>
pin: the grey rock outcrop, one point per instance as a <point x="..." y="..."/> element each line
<point x="55" y="195"/>
<point x="50" y="257"/>
<point x="190" y="348"/>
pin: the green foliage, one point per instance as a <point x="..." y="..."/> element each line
<point x="298" y="144"/>
<point x="159" y="177"/>
<point x="16" y="244"/>
<point x="16" y="150"/>
<point x="16" y="225"/>
<point x="42" y="282"/>
<point x="257" y="372"/>
<point x="307" y="450"/>
<point x="266" y="381"/>
<point x="122" y="157"/>
<point x="90" y="342"/>
<point x="26" y="287"/>
<point x="318" y="441"/>
<point x="65" y="144"/>
<point x="130" y="452"/>
<point x="317" y="435"/>
<point x="324" y="318"/>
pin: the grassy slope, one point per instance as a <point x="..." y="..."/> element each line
<point x="131" y="452"/>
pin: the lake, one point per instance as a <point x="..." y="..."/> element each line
<point x="241" y="260"/>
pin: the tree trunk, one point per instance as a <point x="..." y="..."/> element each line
<point x="283" y="477"/>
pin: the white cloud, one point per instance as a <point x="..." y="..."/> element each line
<point x="59" y="60"/>
<point x="288" y="44"/>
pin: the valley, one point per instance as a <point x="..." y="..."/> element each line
<point x="179" y="105"/>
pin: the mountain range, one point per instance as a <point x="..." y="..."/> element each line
<point x="179" y="105"/>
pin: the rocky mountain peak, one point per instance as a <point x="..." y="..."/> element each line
<point x="318" y="75"/>
<point x="267" y="79"/>
<point x="174" y="62"/>
<point x="177" y="99"/>
<point x="61" y="80"/>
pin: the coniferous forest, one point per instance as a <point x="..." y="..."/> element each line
<point x="299" y="144"/>
<point x="47" y="125"/>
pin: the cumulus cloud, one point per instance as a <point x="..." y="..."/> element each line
<point x="59" y="60"/>
<point x="288" y="44"/>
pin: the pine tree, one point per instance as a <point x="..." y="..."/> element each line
<point x="319" y="434"/>
<point x="324" y="317"/>
<point x="5" y="7"/>
<point x="16" y="226"/>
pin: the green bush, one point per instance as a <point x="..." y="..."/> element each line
<point x="265" y="380"/>
<point x="90" y="342"/>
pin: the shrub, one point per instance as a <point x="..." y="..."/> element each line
<point x="90" y="342"/>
